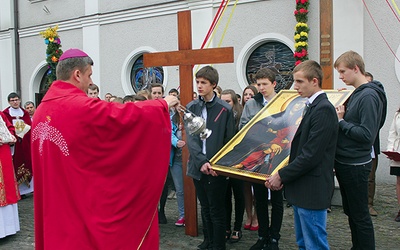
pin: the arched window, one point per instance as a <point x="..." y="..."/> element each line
<point x="276" y="56"/>
<point x="270" y="50"/>
<point x="43" y="87"/>
<point x="142" y="77"/>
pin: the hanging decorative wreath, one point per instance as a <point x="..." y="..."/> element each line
<point x="53" y="51"/>
<point x="301" y="31"/>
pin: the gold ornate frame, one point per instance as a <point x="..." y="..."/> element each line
<point x="285" y="101"/>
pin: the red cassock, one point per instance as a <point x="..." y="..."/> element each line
<point x="100" y="169"/>
<point x="22" y="152"/>
<point x="9" y="193"/>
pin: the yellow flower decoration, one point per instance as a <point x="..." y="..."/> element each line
<point x="53" y="52"/>
<point x="301" y="25"/>
<point x="301" y="31"/>
<point x="50" y="32"/>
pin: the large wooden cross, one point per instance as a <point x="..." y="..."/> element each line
<point x="185" y="57"/>
<point x="326" y="42"/>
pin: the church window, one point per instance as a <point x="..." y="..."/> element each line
<point x="141" y="77"/>
<point x="276" y="56"/>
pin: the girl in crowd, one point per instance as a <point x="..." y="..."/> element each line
<point x="251" y="221"/>
<point x="394" y="145"/>
<point x="248" y="93"/>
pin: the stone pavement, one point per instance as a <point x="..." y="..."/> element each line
<point x="387" y="231"/>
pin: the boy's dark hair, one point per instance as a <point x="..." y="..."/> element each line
<point x="94" y="87"/>
<point x="13" y="95"/>
<point x="174" y="91"/>
<point x="154" y="85"/>
<point x="265" y="73"/>
<point x="128" y="98"/>
<point x="29" y="103"/>
<point x="208" y="73"/>
<point x="139" y="98"/>
<point x="368" y="74"/>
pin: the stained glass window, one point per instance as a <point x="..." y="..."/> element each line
<point x="274" y="55"/>
<point x="142" y="77"/>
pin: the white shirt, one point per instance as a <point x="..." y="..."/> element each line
<point x="314" y="96"/>
<point x="204" y="116"/>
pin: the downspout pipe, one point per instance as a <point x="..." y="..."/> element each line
<point x="17" y="49"/>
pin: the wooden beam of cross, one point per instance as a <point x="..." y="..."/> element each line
<point x="185" y="57"/>
<point x="326" y="46"/>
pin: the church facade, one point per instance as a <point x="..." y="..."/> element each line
<point x="116" y="33"/>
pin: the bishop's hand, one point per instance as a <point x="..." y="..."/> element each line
<point x="172" y="101"/>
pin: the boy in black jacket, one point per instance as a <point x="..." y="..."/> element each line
<point x="210" y="187"/>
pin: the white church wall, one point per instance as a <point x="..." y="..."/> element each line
<point x="91" y="45"/>
<point x="116" y="5"/>
<point x="250" y="21"/>
<point x="154" y="27"/>
<point x="119" y="40"/>
<point x="314" y="25"/>
<point x="33" y="52"/>
<point x="348" y="31"/>
<point x="49" y="12"/>
<point x="91" y="7"/>
<point x="7" y="55"/>
<point x="6" y="14"/>
<point x="7" y="68"/>
<point x="381" y="62"/>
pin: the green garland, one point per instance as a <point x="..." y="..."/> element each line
<point x="53" y="51"/>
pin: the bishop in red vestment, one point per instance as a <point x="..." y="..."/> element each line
<point x="99" y="167"/>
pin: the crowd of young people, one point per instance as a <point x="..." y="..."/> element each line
<point x="316" y="152"/>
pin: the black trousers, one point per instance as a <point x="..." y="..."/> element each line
<point x="211" y="192"/>
<point x="265" y="228"/>
<point x="236" y="186"/>
<point x="353" y="182"/>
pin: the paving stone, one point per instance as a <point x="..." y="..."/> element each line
<point x="172" y="237"/>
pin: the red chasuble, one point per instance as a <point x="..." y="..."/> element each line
<point x="100" y="169"/>
<point x="22" y="152"/>
<point x="9" y="193"/>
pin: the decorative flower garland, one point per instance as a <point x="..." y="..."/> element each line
<point x="53" y="51"/>
<point x="301" y="31"/>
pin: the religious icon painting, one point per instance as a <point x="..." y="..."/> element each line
<point x="262" y="146"/>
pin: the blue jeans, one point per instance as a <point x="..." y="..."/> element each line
<point x="310" y="227"/>
<point x="211" y="192"/>
<point x="353" y="182"/>
<point x="177" y="176"/>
